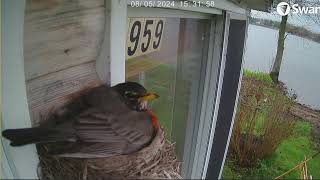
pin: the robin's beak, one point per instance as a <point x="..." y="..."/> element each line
<point x="148" y="97"/>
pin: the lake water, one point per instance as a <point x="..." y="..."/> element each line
<point x="300" y="69"/>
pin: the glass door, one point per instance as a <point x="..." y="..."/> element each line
<point x="168" y="55"/>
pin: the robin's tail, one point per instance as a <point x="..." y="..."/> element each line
<point x="20" y="137"/>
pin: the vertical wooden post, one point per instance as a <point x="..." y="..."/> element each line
<point x="111" y="60"/>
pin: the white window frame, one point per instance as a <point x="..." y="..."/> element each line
<point x="110" y="64"/>
<point x="196" y="160"/>
<point x="211" y="99"/>
<point x="228" y="17"/>
<point x="235" y="16"/>
<point x="219" y="90"/>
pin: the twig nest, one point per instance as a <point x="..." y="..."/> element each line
<point x="156" y="161"/>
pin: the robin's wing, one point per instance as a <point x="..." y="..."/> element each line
<point x="141" y="122"/>
<point x="103" y="134"/>
<point x="91" y="150"/>
<point x="95" y="125"/>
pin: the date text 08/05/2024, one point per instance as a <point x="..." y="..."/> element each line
<point x="171" y="4"/>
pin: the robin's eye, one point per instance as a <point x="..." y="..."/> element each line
<point x="130" y="94"/>
<point x="127" y="92"/>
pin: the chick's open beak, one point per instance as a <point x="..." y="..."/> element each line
<point x="148" y="97"/>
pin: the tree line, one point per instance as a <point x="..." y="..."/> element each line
<point x="290" y="28"/>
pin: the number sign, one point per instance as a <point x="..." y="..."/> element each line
<point x="144" y="36"/>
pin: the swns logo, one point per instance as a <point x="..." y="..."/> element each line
<point x="284" y="9"/>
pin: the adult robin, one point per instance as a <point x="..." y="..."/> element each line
<point x="102" y="122"/>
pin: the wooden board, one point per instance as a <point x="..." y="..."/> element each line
<point x="62" y="39"/>
<point x="47" y="93"/>
<point x="61" y="33"/>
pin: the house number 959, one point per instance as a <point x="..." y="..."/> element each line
<point x="144" y="36"/>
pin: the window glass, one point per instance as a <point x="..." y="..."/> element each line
<point x="174" y="69"/>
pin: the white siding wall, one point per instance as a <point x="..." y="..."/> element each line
<point x="22" y="161"/>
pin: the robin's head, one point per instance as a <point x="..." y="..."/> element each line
<point x="135" y="95"/>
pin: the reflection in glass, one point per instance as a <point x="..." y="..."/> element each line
<point x="175" y="72"/>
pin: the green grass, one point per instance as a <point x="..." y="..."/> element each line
<point x="258" y="75"/>
<point x="290" y="153"/>
<point x="229" y="173"/>
<point x="287" y="155"/>
<point x="270" y="94"/>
